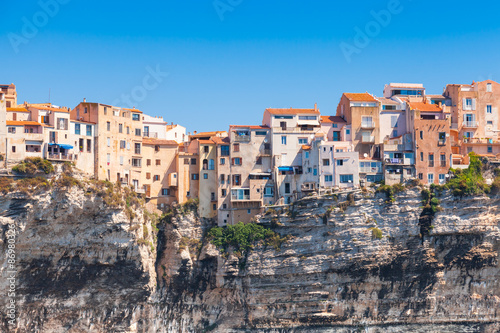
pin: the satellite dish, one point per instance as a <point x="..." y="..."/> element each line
<point x="312" y="136"/>
<point x="365" y="155"/>
<point x="268" y="170"/>
<point x="265" y="140"/>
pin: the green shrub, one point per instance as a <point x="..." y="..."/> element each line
<point x="33" y="165"/>
<point x="390" y="191"/>
<point x="189" y="206"/>
<point x="65" y="180"/>
<point x="376" y="233"/>
<point x="470" y="181"/>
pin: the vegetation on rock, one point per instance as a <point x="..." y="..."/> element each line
<point x="33" y="165"/>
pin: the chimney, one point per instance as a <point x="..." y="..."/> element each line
<point x="315" y="106"/>
<point x="84" y="100"/>
<point x="172" y="123"/>
<point x="194" y="132"/>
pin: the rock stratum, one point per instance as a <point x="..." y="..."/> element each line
<point x="85" y="267"/>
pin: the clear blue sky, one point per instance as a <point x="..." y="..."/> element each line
<point x="261" y="54"/>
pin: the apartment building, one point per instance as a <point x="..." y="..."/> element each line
<point x="474" y="117"/>
<point x="160" y="176"/>
<point x="157" y="128"/>
<point x="188" y="171"/>
<point x="176" y="132"/>
<point x="83" y="135"/>
<point x="339" y="165"/>
<point x="290" y="130"/>
<point x="335" y="128"/>
<point x="118" y="141"/>
<point x="223" y="161"/>
<point x="208" y="178"/>
<point x="10" y="94"/>
<point x="430" y="127"/>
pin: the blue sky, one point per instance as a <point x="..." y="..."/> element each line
<point x="226" y="66"/>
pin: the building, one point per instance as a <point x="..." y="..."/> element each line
<point x="290" y="130"/>
<point x="430" y="127"/>
<point x="118" y="142"/>
<point x="207" y="192"/>
<point x="404" y="89"/>
<point x="177" y="133"/>
<point x="188" y="171"/>
<point x="160" y="176"/>
<point x="339" y="165"/>
<point x="10" y="94"/>
<point x="3" y="125"/>
<point x="335" y="128"/>
<point x="82" y="135"/>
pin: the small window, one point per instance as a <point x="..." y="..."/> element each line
<point x="315" y="172"/>
<point x="334" y="125"/>
<point x="85" y="110"/>
<point x="165" y="191"/>
<point x="340" y="162"/>
<point x="302" y="141"/>
<point x="421" y="135"/>
<point x="214" y="207"/>
<point x="148" y="162"/>
<point x="138" y="132"/>
<point x="224" y="192"/>
<point x="157" y="148"/>
<point x="222" y="179"/>
<point x="236" y="147"/>
<point x="128" y="130"/>
<point x="120" y="128"/>
<point x="488" y="109"/>
<point x="148" y="175"/>
<point x="490" y="149"/>
<point x="135" y="117"/>
<point x="121" y="160"/>
<point x="326" y="162"/>
<point x="283" y="140"/>
<point x="489" y="88"/>
<point x="205" y="149"/>
<point x="420" y="176"/>
<point x="186" y="161"/>
<point x="105" y="110"/>
<point x="77" y="129"/>
<point x="205" y="176"/>
<point x="109" y="142"/>
<point x="158" y="162"/>
<point x="195" y="176"/>
<point x="328" y="178"/>
<point x="89" y="146"/>
<point x="193" y="161"/>
<point x="258" y="161"/>
<point x="347" y="131"/>
<point x="108" y="126"/>
<point x="156" y="178"/>
<point x="222" y="161"/>
<point x="307" y="154"/>
<point x="13" y="149"/>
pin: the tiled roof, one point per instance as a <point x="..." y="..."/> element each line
<point x="17" y="110"/>
<point x="363" y="97"/>
<point x="206" y="134"/>
<point x="49" y="108"/>
<point x="219" y="140"/>
<point x="159" y="142"/>
<point x="206" y="142"/>
<point x="425" y="107"/>
<point x="332" y="119"/>
<point x="292" y="111"/>
<point x="22" y="123"/>
<point x="133" y="110"/>
<point x="387" y="101"/>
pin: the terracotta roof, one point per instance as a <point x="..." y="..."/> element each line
<point x="22" y="123"/>
<point x="205" y="134"/>
<point x="17" y="110"/>
<point x="81" y="121"/>
<point x="206" y="142"/>
<point x="292" y="111"/>
<point x="159" y="142"/>
<point x="332" y="119"/>
<point x="219" y="140"/>
<point x="249" y="126"/>
<point x="387" y="101"/>
<point x="363" y="97"/>
<point x="49" y="108"/>
<point x="425" y="107"/>
<point x="133" y="110"/>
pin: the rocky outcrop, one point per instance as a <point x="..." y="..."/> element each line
<point x="361" y="267"/>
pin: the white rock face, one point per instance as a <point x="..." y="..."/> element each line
<point x="81" y="269"/>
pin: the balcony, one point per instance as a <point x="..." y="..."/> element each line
<point x="393" y="161"/>
<point x="242" y="138"/>
<point x="368" y="125"/>
<point x="266" y="152"/>
<point x="153" y="135"/>
<point x="367" y="139"/>
<point x="33" y="136"/>
<point x="295" y="129"/>
<point x="454" y="126"/>
<point x="61" y="157"/>
<point x="140" y="190"/>
<point x="441" y="142"/>
<point x="470" y="124"/>
<point x="388" y="147"/>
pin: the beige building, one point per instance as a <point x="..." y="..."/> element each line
<point x="207" y="171"/>
<point x="160" y="171"/>
<point x="118" y="142"/>
<point x="24" y="139"/>
<point x="188" y="171"/>
<point x="3" y="124"/>
<point x="10" y="94"/>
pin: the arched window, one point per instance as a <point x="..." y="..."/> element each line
<point x="211" y="165"/>
<point x="205" y="164"/>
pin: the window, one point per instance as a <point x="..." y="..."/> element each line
<point x="108" y="158"/>
<point x="442" y="178"/>
<point x="283" y="117"/>
<point x="326" y="162"/>
<point x="193" y="161"/>
<point x="430" y="178"/>
<point x="328" y="178"/>
<point x="62" y="124"/>
<point x="120" y="128"/>
<point x="420" y="176"/>
<point x="205" y="176"/>
<point x="108" y="126"/>
<point x="236" y="180"/>
<point x="13" y="149"/>
<point x="237" y="161"/>
<point x="488" y="109"/>
<point x="334" y="125"/>
<point x="222" y="179"/>
<point x="302" y="141"/>
<point x="240" y="194"/>
<point x="85" y="110"/>
<point x="258" y="161"/>
<point x="431" y="160"/>
<point x="146" y="131"/>
<point x="186" y="161"/>
<point x="77" y="129"/>
<point x="489" y="88"/>
<point x="489" y="122"/>
<point x="205" y="149"/>
<point x="224" y="150"/>
<point x="441" y="138"/>
<point x="136" y="162"/>
<point x="283" y="140"/>
<point x="157" y="148"/>
<point x="388" y="107"/>
<point x="394" y="133"/>
<point x="80" y="145"/>
<point x="135" y="116"/>
<point x="287" y="188"/>
<point x="224" y="192"/>
<point x="268" y="192"/>
<point x="123" y="144"/>
<point x="315" y="172"/>
<point x="89" y="146"/>
<point x="283" y="125"/>
<point x="347" y="131"/>
<point x="158" y="162"/>
<point x="45" y="119"/>
<point x="236" y="147"/>
<point x="137" y="148"/>
<point x="367" y="122"/>
<point x="105" y="110"/>
<point x="89" y="130"/>
<point x="442" y="159"/>
<point x="121" y="160"/>
<point x="222" y="161"/>
<point x="156" y="178"/>
<point x="165" y="191"/>
<point x="195" y="176"/>
<point x="148" y="175"/>
<point x="421" y="156"/>
<point x="11" y="130"/>
<point x="340" y="162"/>
<point x="421" y="135"/>
<point x="307" y="154"/>
<point x="309" y="170"/>
<point x="128" y="130"/>
<point x="307" y="117"/>
<point x="394" y="121"/>
<point x="490" y="149"/>
<point x="148" y="162"/>
<point x="211" y="164"/>
<point x="260" y="133"/>
<point x="138" y="132"/>
<point x="109" y="142"/>
<point x="188" y="194"/>
<point x="346" y="179"/>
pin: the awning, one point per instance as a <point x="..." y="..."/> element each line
<point x="285" y="168"/>
<point x="33" y="142"/>
<point x="63" y="146"/>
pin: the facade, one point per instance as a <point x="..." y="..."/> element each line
<point x="10" y="94"/>
<point x="177" y="133"/>
<point x="82" y="135"/>
<point x="188" y="171"/>
<point x="3" y="124"/>
<point x="207" y="171"/>
<point x="339" y="165"/>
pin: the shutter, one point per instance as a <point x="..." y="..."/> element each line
<point x="464" y="104"/>
<point x="465" y="117"/>
<point x="473" y="104"/>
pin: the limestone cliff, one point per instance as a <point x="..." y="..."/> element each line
<point x="360" y="267"/>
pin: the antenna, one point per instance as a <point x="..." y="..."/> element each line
<point x="49" y="95"/>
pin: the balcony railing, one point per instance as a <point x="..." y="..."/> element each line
<point x="242" y="138"/>
<point x="368" y="125"/>
<point x="140" y="190"/>
<point x="470" y="124"/>
<point x="431" y="164"/>
<point x="33" y="136"/>
<point x="367" y="139"/>
<point x="153" y="135"/>
<point x="61" y="157"/>
<point x="388" y="147"/>
<point x="393" y="161"/>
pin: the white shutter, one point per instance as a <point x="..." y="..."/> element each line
<point x="464" y="104"/>
<point x="473" y="104"/>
